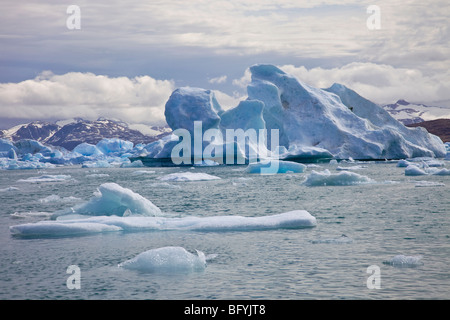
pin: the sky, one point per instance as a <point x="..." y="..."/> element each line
<point x="124" y="58"/>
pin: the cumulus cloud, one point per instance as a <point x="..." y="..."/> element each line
<point x="218" y="80"/>
<point x="50" y="96"/>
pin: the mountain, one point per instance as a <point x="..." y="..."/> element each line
<point x="36" y="130"/>
<point x="409" y="113"/>
<point x="70" y="133"/>
<point x="439" y="127"/>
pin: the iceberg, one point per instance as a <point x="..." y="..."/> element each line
<point x="79" y="225"/>
<point x="112" y="199"/>
<point x="187" y="176"/>
<point x="114" y="146"/>
<point x="344" y="178"/>
<point x="166" y="260"/>
<point x="87" y="149"/>
<point x="311" y="124"/>
<point x="275" y="166"/>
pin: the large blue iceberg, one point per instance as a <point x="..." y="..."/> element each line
<point x="310" y="123"/>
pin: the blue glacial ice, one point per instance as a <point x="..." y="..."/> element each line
<point x="166" y="260"/>
<point x="343" y="178"/>
<point x="312" y="123"/>
<point x="87" y="149"/>
<point x="275" y="166"/>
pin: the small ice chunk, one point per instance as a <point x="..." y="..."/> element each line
<point x="442" y="172"/>
<point x="404" y="261"/>
<point x="344" y="178"/>
<point x="275" y="166"/>
<point x="413" y="170"/>
<point x="403" y="163"/>
<point x="187" y="176"/>
<point x="166" y="260"/>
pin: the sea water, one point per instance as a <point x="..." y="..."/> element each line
<point x="360" y="228"/>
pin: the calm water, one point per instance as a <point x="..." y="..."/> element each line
<point x="390" y="217"/>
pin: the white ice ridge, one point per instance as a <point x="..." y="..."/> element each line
<point x="46" y="178"/>
<point x="85" y="225"/>
<point x="344" y="178"/>
<point x="187" y="176"/>
<point x="166" y="260"/>
<point x="112" y="199"/>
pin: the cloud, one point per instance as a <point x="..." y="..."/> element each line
<point x="218" y="80"/>
<point x="75" y="94"/>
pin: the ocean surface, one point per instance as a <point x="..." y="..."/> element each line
<point x="360" y="228"/>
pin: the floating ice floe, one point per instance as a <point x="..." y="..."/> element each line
<point x="187" y="176"/>
<point x="9" y="189"/>
<point x="112" y="199"/>
<point x="344" y="178"/>
<point x="413" y="170"/>
<point x="47" y="178"/>
<point x="423" y="169"/>
<point x="429" y="184"/>
<point x="275" y="166"/>
<point x="351" y="168"/>
<point x="403" y="261"/>
<point x="80" y="225"/>
<point x="31" y="214"/>
<point x="142" y="172"/>
<point x="166" y="260"/>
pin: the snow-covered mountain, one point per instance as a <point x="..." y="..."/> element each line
<point x="70" y="133"/>
<point x="409" y="113"/>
